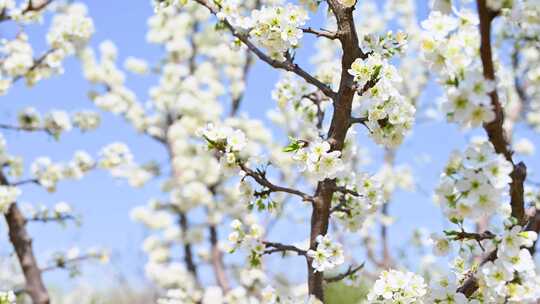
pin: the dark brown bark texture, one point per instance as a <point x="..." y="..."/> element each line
<point x="336" y="135"/>
<point x="498" y="138"/>
<point x="22" y="243"/>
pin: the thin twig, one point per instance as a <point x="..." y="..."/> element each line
<point x="260" y="178"/>
<point x="278" y="247"/>
<point x="350" y="271"/>
<point x="286" y="65"/>
<point x="322" y="33"/>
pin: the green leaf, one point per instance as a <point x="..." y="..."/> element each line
<point x="341" y="293"/>
<point x="294" y="146"/>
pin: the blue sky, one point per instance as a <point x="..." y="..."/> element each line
<point x="105" y="203"/>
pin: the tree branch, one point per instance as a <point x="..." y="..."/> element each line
<point x="260" y="178"/>
<point x="22" y="129"/>
<point x="495" y="128"/>
<point x="188" y="251"/>
<point x="31" y="7"/>
<point x="278" y="247"/>
<point x="470" y="285"/>
<point x="350" y="271"/>
<point x="22" y="243"/>
<point x="286" y="65"/>
<point x="217" y="261"/>
<point x="48" y="219"/>
<point x="339" y="127"/>
<point x="322" y="33"/>
<point x="64" y="263"/>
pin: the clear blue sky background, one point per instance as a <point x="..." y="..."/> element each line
<point x="105" y="203"/>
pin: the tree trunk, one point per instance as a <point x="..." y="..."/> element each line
<point x="22" y="243"/>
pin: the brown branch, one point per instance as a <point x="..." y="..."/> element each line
<point x="31" y="7"/>
<point x="26" y="182"/>
<point x="470" y="285"/>
<point x="519" y="87"/>
<point x="322" y="33"/>
<point x="235" y="106"/>
<point x="62" y="263"/>
<point x="34" y="8"/>
<point x="341" y="206"/>
<point x="345" y="190"/>
<point x="37" y="62"/>
<point x="339" y="127"/>
<point x="360" y="120"/>
<point x="534" y="225"/>
<point x="278" y="247"/>
<point x="350" y="271"/>
<point x="22" y="243"/>
<point x="217" y="261"/>
<point x="462" y="235"/>
<point x="260" y="178"/>
<point x="495" y="128"/>
<point x="23" y="129"/>
<point x="286" y="65"/>
<point x="322" y="200"/>
<point x="317" y="98"/>
<point x="496" y="136"/>
<point x="188" y="250"/>
<point x="47" y="219"/>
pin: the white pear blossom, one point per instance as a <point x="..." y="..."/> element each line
<point x="8" y="195"/>
<point x="114" y="155"/>
<point x="7" y="297"/>
<point x="277" y="28"/>
<point x="395" y="286"/>
<point x="57" y="122"/>
<point x="475" y="184"/>
<point x="319" y="161"/>
<point x="136" y="65"/>
<point x="328" y="254"/>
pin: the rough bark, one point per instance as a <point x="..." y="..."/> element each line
<point x="494" y="129"/>
<point x="217" y="261"/>
<point x="22" y="243"/>
<point x="188" y="251"/>
<point x="497" y="137"/>
<point x="336" y="135"/>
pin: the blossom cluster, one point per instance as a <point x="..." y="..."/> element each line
<point x="18" y="56"/>
<point x="394" y="286"/>
<point x="8" y="195"/>
<point x="512" y="274"/>
<point x="278" y="28"/>
<point x="509" y="277"/>
<point x="181" y="287"/>
<point x="60" y="212"/>
<point x="319" y="161"/>
<point x="248" y="238"/>
<point x="328" y="254"/>
<point x="300" y="108"/>
<point x="115" y="155"/>
<point x="444" y="290"/>
<point x="56" y="122"/>
<point x="48" y="173"/>
<point x="513" y="261"/>
<point x="450" y="46"/>
<point x="271" y="296"/>
<point x="70" y="30"/>
<point x="353" y="205"/>
<point x="226" y="140"/>
<point x="475" y="183"/>
<point x="386" y="113"/>
<point x="7" y="297"/>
